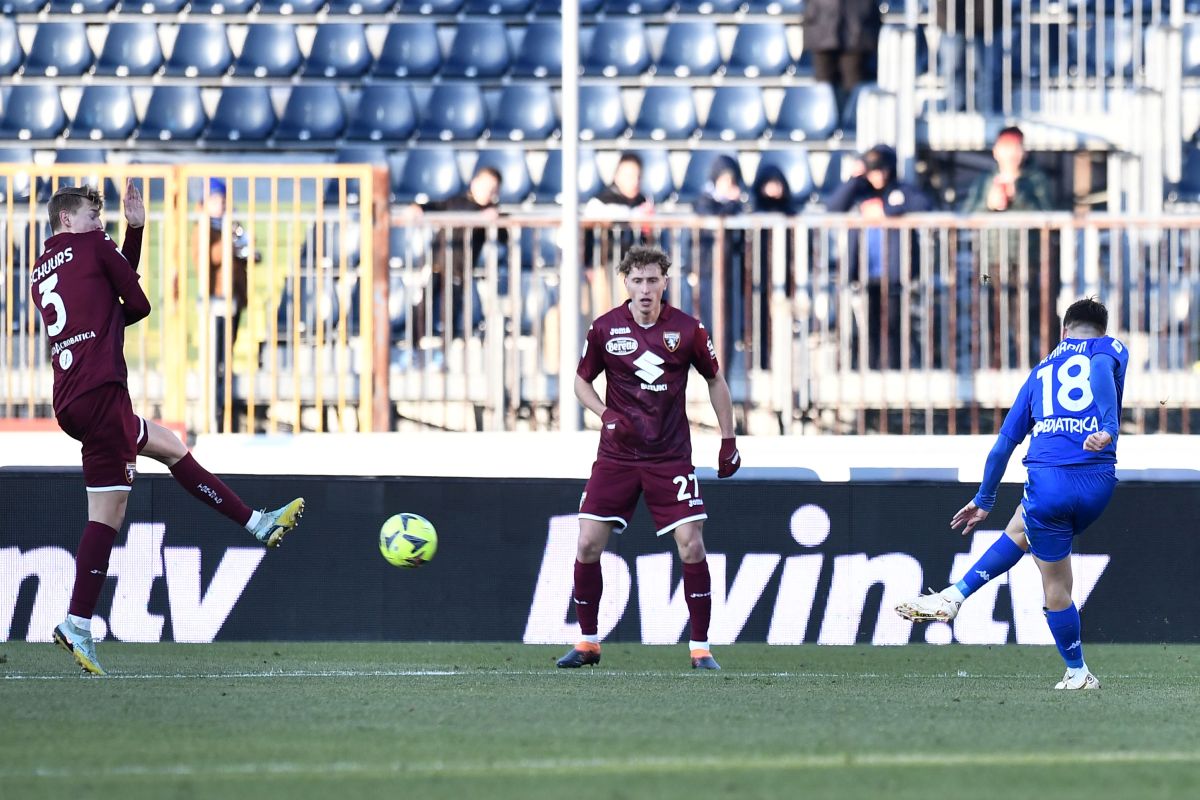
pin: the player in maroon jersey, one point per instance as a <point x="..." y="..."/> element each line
<point x="645" y="348"/>
<point x="88" y="292"/>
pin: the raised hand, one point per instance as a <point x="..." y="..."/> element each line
<point x="135" y="211"/>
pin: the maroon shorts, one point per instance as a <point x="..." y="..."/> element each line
<point x="111" y="434"/>
<point x="672" y="493"/>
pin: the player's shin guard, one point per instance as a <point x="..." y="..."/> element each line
<point x="209" y="489"/>
<point x="589" y="586"/>
<point x="697" y="587"/>
<point x="1002" y="556"/>
<point x="91" y="568"/>
<point x="1065" y="627"/>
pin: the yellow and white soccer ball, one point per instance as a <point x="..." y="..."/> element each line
<point x="408" y="540"/>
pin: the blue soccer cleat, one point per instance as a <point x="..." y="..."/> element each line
<point x="703" y="659"/>
<point x="582" y="655"/>
<point x="78" y="643"/>
<point x="276" y="524"/>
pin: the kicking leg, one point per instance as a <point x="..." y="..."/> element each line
<point x="589" y="587"/>
<point x="1002" y="556"/>
<point x="269" y="527"/>
<point x="697" y="589"/>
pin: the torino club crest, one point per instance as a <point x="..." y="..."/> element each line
<point x="671" y="340"/>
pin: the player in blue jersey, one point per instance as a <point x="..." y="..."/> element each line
<point x="1071" y="403"/>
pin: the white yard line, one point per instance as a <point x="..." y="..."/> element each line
<point x="649" y="765"/>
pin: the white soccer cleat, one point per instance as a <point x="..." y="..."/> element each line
<point x="78" y="643"/>
<point x="276" y="524"/>
<point x="1084" y="680"/>
<point x="932" y="607"/>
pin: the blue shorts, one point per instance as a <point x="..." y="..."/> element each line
<point x="1059" y="504"/>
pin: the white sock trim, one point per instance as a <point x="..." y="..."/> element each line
<point x="592" y="638"/>
<point x="255" y="518"/>
<point x="694" y="645"/>
<point x="84" y="625"/>
<point x="954" y="593"/>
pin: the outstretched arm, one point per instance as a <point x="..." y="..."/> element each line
<point x="135" y="216"/>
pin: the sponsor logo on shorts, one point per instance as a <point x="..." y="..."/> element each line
<point x="695" y="501"/>
<point x="621" y="346"/>
<point x="671" y="340"/>
<point x="130" y="471"/>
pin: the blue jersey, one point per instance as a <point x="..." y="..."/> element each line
<point x="1057" y="405"/>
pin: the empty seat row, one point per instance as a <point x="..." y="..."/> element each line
<point x="355" y="7"/>
<point x="321" y="112"/>
<point x="480" y="49"/>
<point x="272" y="49"/>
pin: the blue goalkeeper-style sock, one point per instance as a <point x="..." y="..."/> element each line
<point x="1002" y="556"/>
<point x="1064" y="625"/>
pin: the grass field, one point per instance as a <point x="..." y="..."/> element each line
<point x="498" y="721"/>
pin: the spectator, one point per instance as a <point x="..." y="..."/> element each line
<point x="843" y="36"/>
<point x="1015" y="186"/>
<point x="227" y="287"/>
<point x="469" y="248"/>
<point x="771" y="194"/>
<point x="619" y="202"/>
<point x="875" y="192"/>
<point x="723" y="196"/>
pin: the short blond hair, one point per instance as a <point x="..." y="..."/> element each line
<point x="69" y="199"/>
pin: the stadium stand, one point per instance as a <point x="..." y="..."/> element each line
<point x="385" y="112"/>
<point x="269" y="51"/>
<point x="525" y="112"/>
<point x="601" y="114"/>
<point x="59" y="49"/>
<point x="104" y="112"/>
<point x="32" y="111"/>
<point x="480" y="50"/>
<point x="428" y="174"/>
<point x="690" y="48"/>
<point x="11" y="54"/>
<point x="174" y="113"/>
<point x="201" y="50"/>
<point x="130" y="49"/>
<point x="807" y="113"/>
<point x="760" y="49"/>
<point x="515" y="184"/>
<point x="667" y="112"/>
<point x="540" y="52"/>
<point x="550" y="185"/>
<point x="243" y="114"/>
<point x="737" y="112"/>
<point x="339" y="51"/>
<point x="314" y="113"/>
<point x="453" y="111"/>
<point x="410" y="50"/>
<point x="618" y="48"/>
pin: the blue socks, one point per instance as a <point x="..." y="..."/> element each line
<point x="1064" y="625"/>
<point x="1002" y="556"/>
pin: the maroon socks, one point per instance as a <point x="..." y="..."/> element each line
<point x="697" y="586"/>
<point x="210" y="489"/>
<point x="589" y="585"/>
<point x="91" y="568"/>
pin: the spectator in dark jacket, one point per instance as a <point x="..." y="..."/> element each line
<point x="875" y="255"/>
<point x="723" y="195"/>
<point x="842" y="36"/>
<point x="621" y="202"/>
<point x="771" y="194"/>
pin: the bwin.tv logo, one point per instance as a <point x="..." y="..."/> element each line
<point x="663" y="612"/>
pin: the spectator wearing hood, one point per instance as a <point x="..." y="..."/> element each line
<point x="771" y="194"/>
<point x="723" y="195"/>
<point x="876" y="193"/>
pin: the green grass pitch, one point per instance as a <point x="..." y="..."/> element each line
<point x="493" y="720"/>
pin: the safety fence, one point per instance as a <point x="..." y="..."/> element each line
<point x="342" y="314"/>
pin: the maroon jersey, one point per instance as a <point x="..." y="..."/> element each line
<point x="647" y="373"/>
<point x="79" y="283"/>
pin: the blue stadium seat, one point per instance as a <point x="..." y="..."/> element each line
<point x="19" y="188"/>
<point x="497" y="7"/>
<point x="807" y="112"/>
<point x="201" y="51"/>
<point x="657" y="184"/>
<point x="82" y="6"/>
<point x="550" y="185"/>
<point x="284" y="7"/>
<point x="784" y="7"/>
<point x="313" y="113"/>
<point x="453" y="111"/>
<point x="601" y="115"/>
<point x="586" y="7"/>
<point x="426" y="7"/>
<point x="696" y="175"/>
<point x="32" y="111"/>
<point x="618" y="48"/>
<point x="667" y="112"/>
<point x="525" y="112"/>
<point x="373" y="154"/>
<point x="709" y="6"/>
<point x="480" y="50"/>
<point x="428" y="174"/>
<point x="12" y="7"/>
<point x="385" y="113"/>
<point x="339" y="50"/>
<point x="793" y="163"/>
<point x="355" y="7"/>
<point x="243" y="114"/>
<point x="174" y="113"/>
<point x="221" y="6"/>
<point x="11" y="54"/>
<point x="736" y="112"/>
<point x="410" y="50"/>
<point x="105" y="112"/>
<point x="690" y="49"/>
<point x="540" y="53"/>
<point x="515" y="184"/>
<point x="270" y="51"/>
<point x="1191" y="48"/>
<point x="131" y="48"/>
<point x="759" y="49"/>
<point x="637" y="6"/>
<point x="59" y="49"/>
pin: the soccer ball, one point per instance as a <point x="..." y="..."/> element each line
<point x="408" y="540"/>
